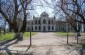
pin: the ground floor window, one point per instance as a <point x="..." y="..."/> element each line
<point x="63" y="29"/>
<point x="52" y="27"/>
<point x="48" y="27"/>
<point x="44" y="28"/>
<point x="35" y="27"/>
<point x="39" y="28"/>
<point x="32" y="28"/>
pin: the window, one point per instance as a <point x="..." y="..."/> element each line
<point x="39" y="22"/>
<point x="35" y="27"/>
<point x="63" y="29"/>
<point x="32" y="28"/>
<point x="52" y="28"/>
<point x="49" y="22"/>
<point x="44" y="28"/>
<point x="39" y="28"/>
<point x="35" y="21"/>
<point x="48" y="27"/>
<point x="44" y="21"/>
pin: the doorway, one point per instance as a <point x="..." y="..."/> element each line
<point x="44" y="29"/>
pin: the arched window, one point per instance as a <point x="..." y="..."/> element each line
<point x="32" y="28"/>
<point x="35" y="27"/>
<point x="63" y="29"/>
<point x="44" y="21"/>
<point x="39" y="28"/>
<point x="52" y="28"/>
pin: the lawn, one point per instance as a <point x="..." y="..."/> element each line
<point x="65" y="34"/>
<point x="9" y="36"/>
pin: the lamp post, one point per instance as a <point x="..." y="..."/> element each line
<point x="31" y="8"/>
<point x="30" y="30"/>
<point x="30" y="36"/>
<point x="67" y="31"/>
<point x="67" y="28"/>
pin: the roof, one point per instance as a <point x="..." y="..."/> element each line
<point x="44" y="14"/>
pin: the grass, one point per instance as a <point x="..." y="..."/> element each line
<point x="9" y="36"/>
<point x="65" y="34"/>
<point x="27" y="34"/>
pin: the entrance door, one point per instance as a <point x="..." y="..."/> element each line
<point x="44" y="28"/>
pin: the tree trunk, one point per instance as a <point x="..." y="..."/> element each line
<point x="18" y="36"/>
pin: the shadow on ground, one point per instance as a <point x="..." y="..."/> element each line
<point x="4" y="48"/>
<point x="4" y="45"/>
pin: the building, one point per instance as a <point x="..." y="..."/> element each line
<point x="44" y="23"/>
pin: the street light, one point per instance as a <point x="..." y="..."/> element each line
<point x="67" y="31"/>
<point x="67" y="28"/>
<point x="30" y="30"/>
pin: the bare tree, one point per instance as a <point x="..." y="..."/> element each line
<point x="73" y="8"/>
<point x="11" y="10"/>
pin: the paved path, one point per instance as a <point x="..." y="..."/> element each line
<point x="45" y="43"/>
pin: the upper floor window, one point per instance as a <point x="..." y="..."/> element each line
<point x="35" y="21"/>
<point x="44" y="21"/>
<point x="49" y="22"/>
<point x="39" y="22"/>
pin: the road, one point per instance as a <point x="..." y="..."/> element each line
<point x="46" y="43"/>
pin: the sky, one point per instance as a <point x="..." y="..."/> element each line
<point x="40" y="6"/>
